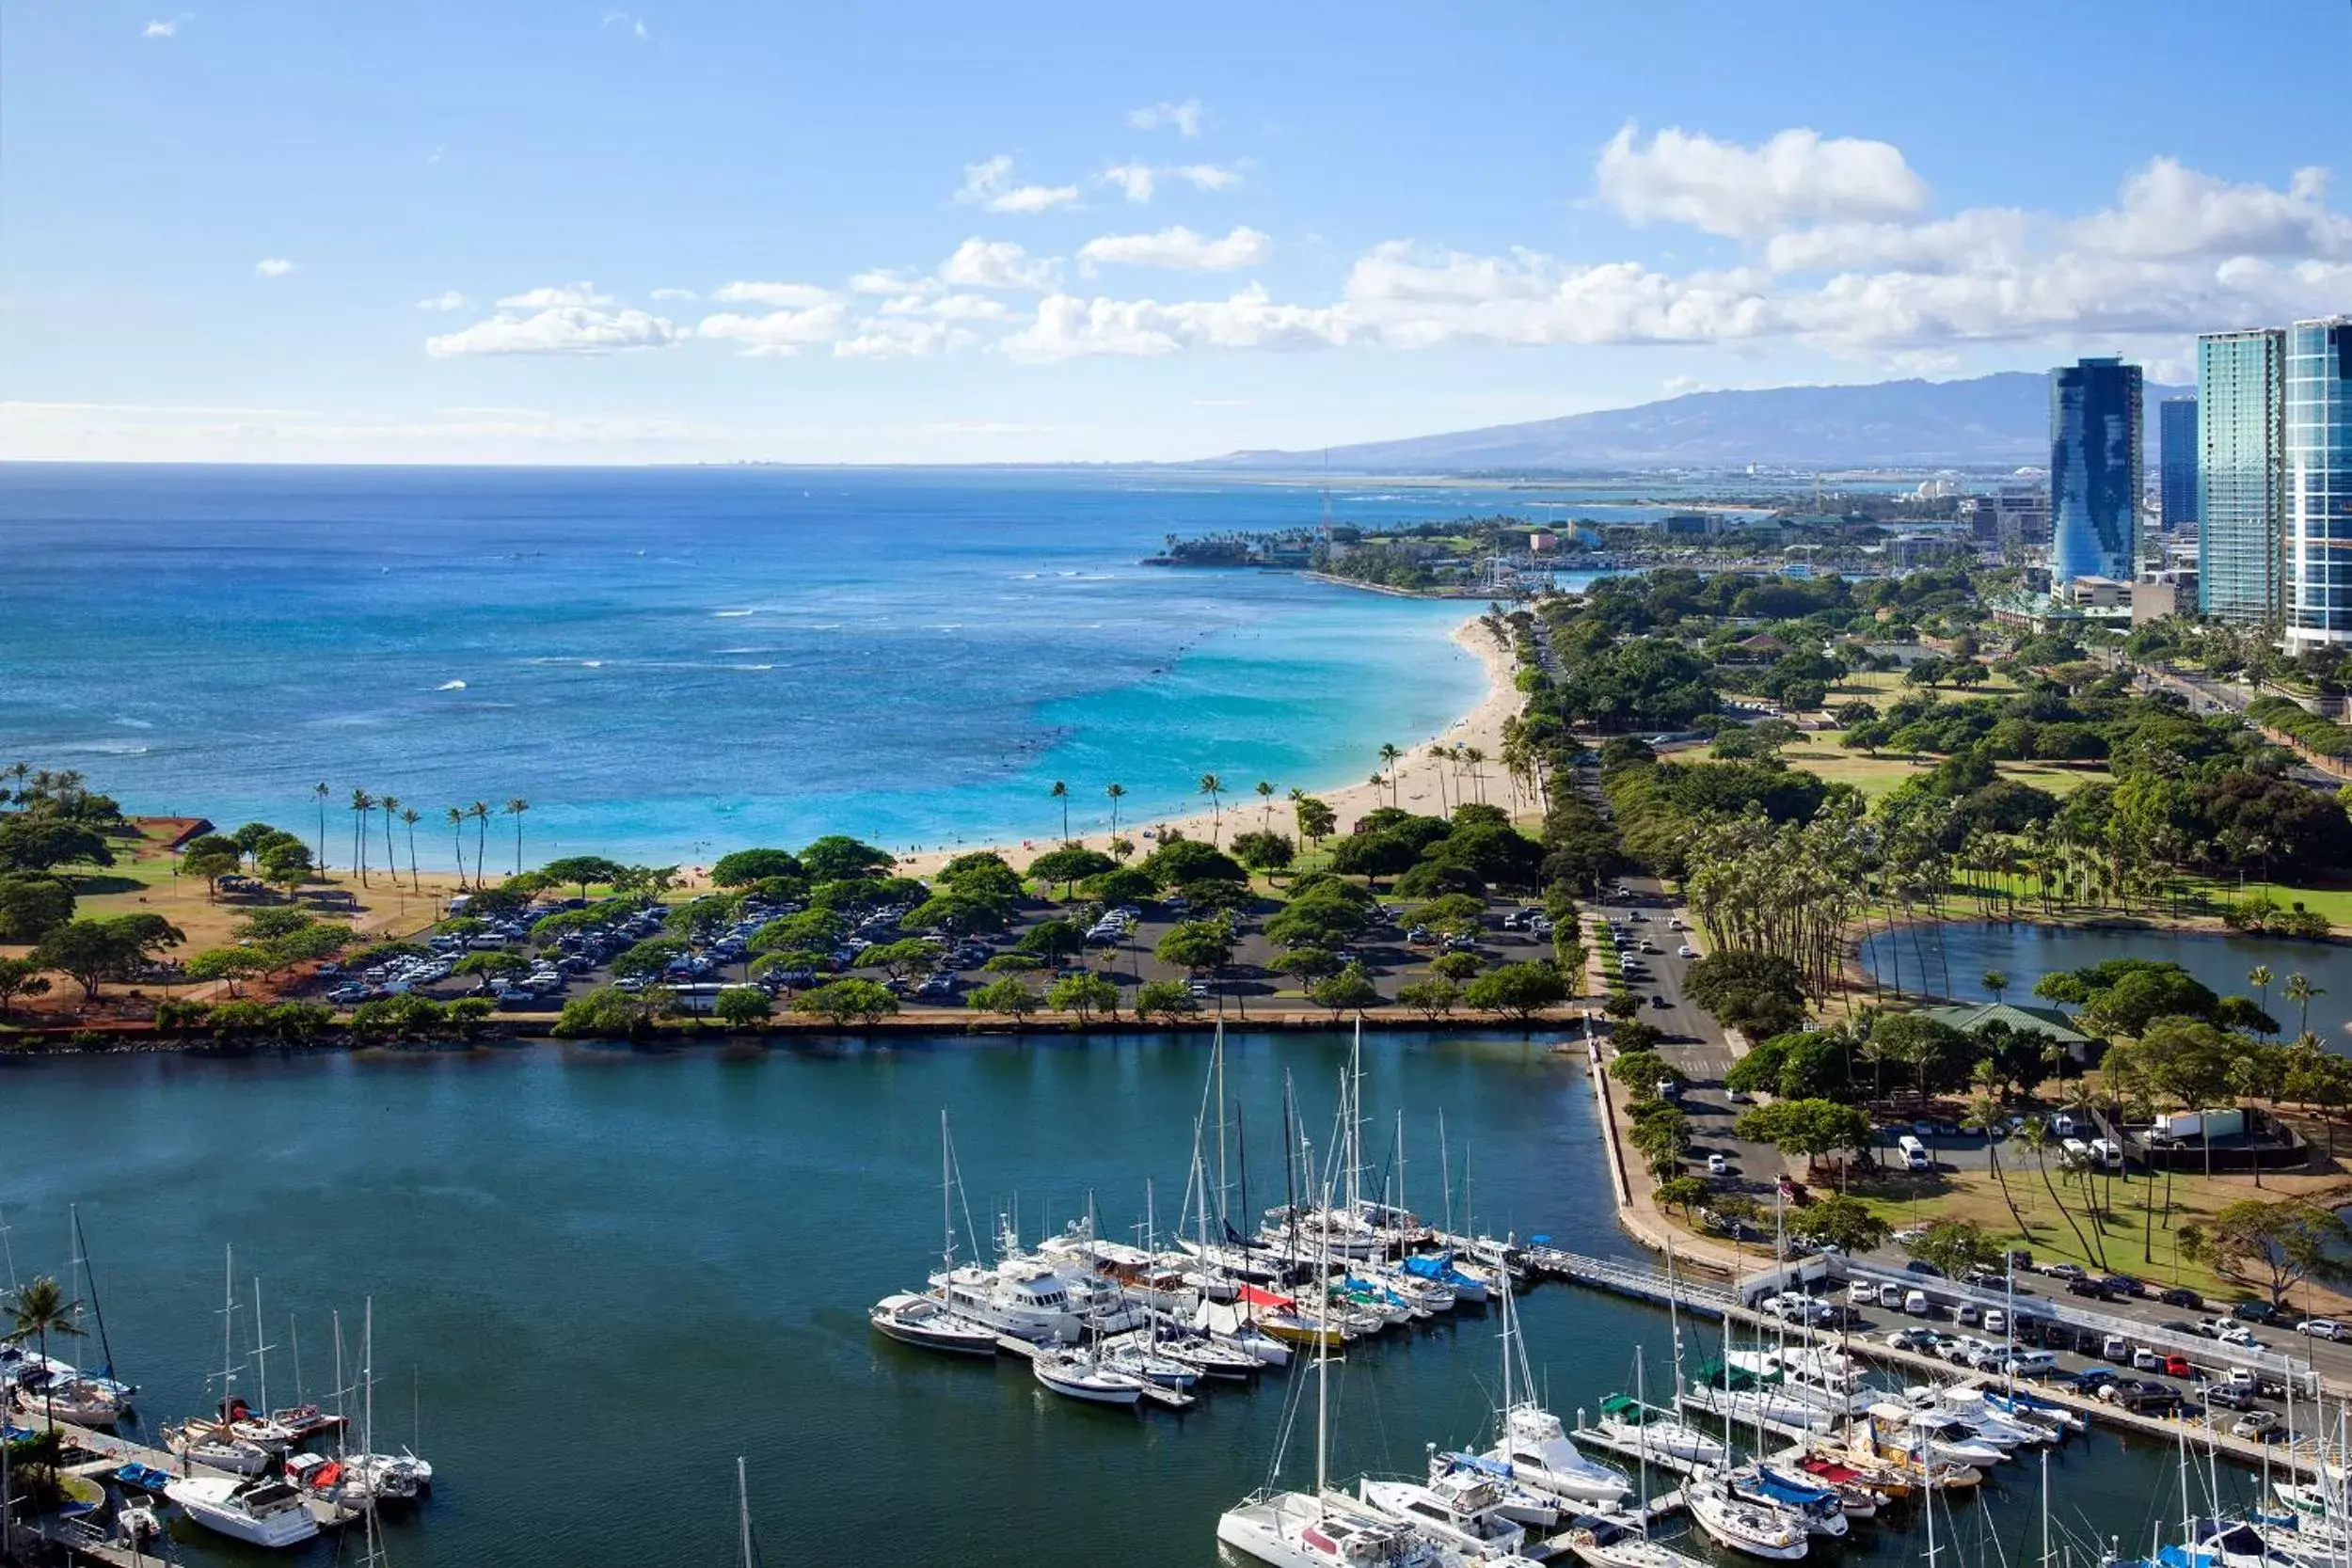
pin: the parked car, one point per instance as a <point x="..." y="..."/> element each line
<point x="2177" y="1366"/>
<point x="1717" y="1165"/>
<point x="2261" y="1424"/>
<point x="2124" y="1284"/>
<point x="1913" y="1338"/>
<point x="2141" y="1394"/>
<point x="1920" y="1265"/>
<point x="2323" y="1328"/>
<point x="2031" y="1363"/>
<point x="2095" y="1288"/>
<point x="2180" y="1295"/>
<point x="1915" y="1304"/>
<point x="2255" y="1312"/>
<point x="2223" y="1396"/>
<point x="2066" y="1271"/>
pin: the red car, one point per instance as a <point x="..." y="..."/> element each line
<point x="2177" y="1366"/>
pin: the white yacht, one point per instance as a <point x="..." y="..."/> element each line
<point x="209" y="1442"/>
<point x="1969" y="1408"/>
<point x="1629" y="1421"/>
<point x="259" y="1513"/>
<point x="1075" y="1375"/>
<point x="1606" y="1546"/>
<point x="1293" y="1529"/>
<point x="1460" y="1511"/>
<point x="1025" y="1299"/>
<point x="1522" y="1502"/>
<point x="1922" y="1437"/>
<point x="1537" y="1447"/>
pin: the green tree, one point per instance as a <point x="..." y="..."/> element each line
<point x="1008" y="998"/>
<point x="902" y="958"/>
<point x="838" y="858"/>
<point x="1315" y="818"/>
<point x="37" y="1309"/>
<point x="231" y="964"/>
<point x="1455" y="966"/>
<point x="1197" y="945"/>
<point x="2300" y="992"/>
<point x="20" y="978"/>
<point x="32" y="906"/>
<point x="1433" y="998"/>
<point x="1166" y="1000"/>
<point x="91" y="952"/>
<point x="649" y="959"/>
<point x="1061" y="792"/>
<point x="2273" y="1246"/>
<point x="844" y="1001"/>
<point x="491" y="966"/>
<point x="1265" y="851"/>
<point x="1517" y="991"/>
<point x="1957" y="1247"/>
<point x="743" y="867"/>
<point x="1809" y="1127"/>
<point x="1685" y="1192"/>
<point x="583" y="872"/>
<point x="607" y="1013"/>
<point x="1839" y="1221"/>
<point x="1084" y="996"/>
<point x="1759" y="994"/>
<point x="1350" y="991"/>
<point x="1213" y="787"/>
<point x="1995" y="982"/>
<point x="36" y="842"/>
<point x="1116" y="792"/>
<point x="743" y="1007"/>
<point x="210" y="867"/>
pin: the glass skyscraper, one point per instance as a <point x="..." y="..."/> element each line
<point x="2176" y="461"/>
<point x="2241" y="439"/>
<point x="2095" y="471"/>
<point x="2320" y="482"/>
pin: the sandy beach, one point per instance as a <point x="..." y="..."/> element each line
<point x="1420" y="782"/>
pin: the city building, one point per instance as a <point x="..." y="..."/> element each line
<point x="2241" y="476"/>
<point x="2094" y="471"/>
<point x="2160" y="594"/>
<point x="2176" y="462"/>
<point x="2014" y="519"/>
<point x="2318" y="536"/>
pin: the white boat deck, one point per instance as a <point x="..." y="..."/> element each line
<point x="116" y="1451"/>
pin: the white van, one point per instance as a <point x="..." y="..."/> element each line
<point x="2032" y="1363"/>
<point x="1915" y="1153"/>
<point x="1915" y="1304"/>
<point x="2107" y="1153"/>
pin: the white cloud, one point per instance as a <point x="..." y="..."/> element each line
<point x="160" y="29"/>
<point x="991" y="186"/>
<point x="1746" y="191"/>
<point x="967" y="307"/>
<point x="1067" y="327"/>
<point x="1136" y="182"/>
<point x="555" y="297"/>
<point x="795" y="296"/>
<point x="779" y="334"/>
<point x="1186" y="118"/>
<point x="275" y="267"/>
<point x="2168" y="210"/>
<point x="1180" y="247"/>
<point x="885" y="280"/>
<point x="1973" y="238"/>
<point x="632" y="26"/>
<point x="675" y="294"/>
<point x="901" y="339"/>
<point x="557" y="329"/>
<point x="1208" y="177"/>
<point x="998" y="264"/>
<point x="449" y="299"/>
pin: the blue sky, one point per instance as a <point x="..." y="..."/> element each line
<point x="553" y="232"/>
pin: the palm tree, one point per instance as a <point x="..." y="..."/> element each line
<point x="2259" y="977"/>
<point x="480" y="812"/>
<point x="361" y="805"/>
<point x="410" y="815"/>
<point x="1994" y="981"/>
<point x="1389" y="757"/>
<point x="456" y="819"/>
<point x="1984" y="1116"/>
<point x="40" y="1309"/>
<point x="1265" y="806"/>
<point x="1061" y="792"/>
<point x="1117" y="792"/>
<point x="514" y="808"/>
<point x="2300" y="990"/>
<point x="389" y="805"/>
<point x="2035" y="1135"/>
<point x="321" y="792"/>
<point x="1213" y="787"/>
<point x="1474" y="757"/>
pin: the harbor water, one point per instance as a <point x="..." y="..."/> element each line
<point x="599" y="1275"/>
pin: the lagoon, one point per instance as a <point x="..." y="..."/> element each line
<point x="599" y="1275"/>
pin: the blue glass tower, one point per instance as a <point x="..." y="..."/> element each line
<point x="2176" y="461"/>
<point x="2319" y="482"/>
<point x="2095" y="471"/>
<point x="2241" y="436"/>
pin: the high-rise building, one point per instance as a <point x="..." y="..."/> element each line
<point x="2095" y="471"/>
<point x="2176" y="461"/>
<point x="2318" y="540"/>
<point x="2241" y="483"/>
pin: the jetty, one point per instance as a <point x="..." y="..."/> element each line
<point x="103" y="1454"/>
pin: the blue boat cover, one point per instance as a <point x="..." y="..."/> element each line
<point x="1785" y="1489"/>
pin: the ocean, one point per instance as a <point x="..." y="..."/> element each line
<point x="670" y="662"/>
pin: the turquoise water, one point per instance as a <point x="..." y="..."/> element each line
<point x="667" y="662"/>
<point x="1964" y="950"/>
<point x="599" y="1275"/>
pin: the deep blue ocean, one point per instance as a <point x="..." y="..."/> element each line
<point x="670" y="662"/>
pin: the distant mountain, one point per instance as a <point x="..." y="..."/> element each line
<point x="1996" y="420"/>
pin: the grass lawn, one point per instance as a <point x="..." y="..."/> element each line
<point x="2137" y="1241"/>
<point x="1876" y="776"/>
<point x="1881" y="686"/>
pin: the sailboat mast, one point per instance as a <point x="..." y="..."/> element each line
<point x="1217" y="1058"/>
<point x="89" y="1281"/>
<point x="1401" y="1210"/>
<point x="228" y="1318"/>
<point x="1323" y="1341"/>
<point x="1445" y="1175"/>
<point x="946" y="1199"/>
<point x="743" y="1509"/>
<point x="260" y="1353"/>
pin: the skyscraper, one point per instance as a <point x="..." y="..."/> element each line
<point x="2241" y="439"/>
<point x="2095" y="471"/>
<point x="2176" y="461"/>
<point x="2320" y="482"/>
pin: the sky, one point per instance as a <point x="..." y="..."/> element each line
<point x="552" y="233"/>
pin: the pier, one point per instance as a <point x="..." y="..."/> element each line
<point x="113" y="1452"/>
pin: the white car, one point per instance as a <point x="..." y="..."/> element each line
<point x="2323" y="1328"/>
<point x="1717" y="1165"/>
<point x="1686" y="951"/>
<point x="2237" y="1333"/>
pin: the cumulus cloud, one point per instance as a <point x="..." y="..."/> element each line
<point x="901" y="339"/>
<point x="1136" y="182"/>
<point x="991" y="186"/>
<point x="630" y="27"/>
<point x="1186" y="118"/>
<point x="1208" y="177"/>
<point x="1067" y="327"/>
<point x="557" y="296"/>
<point x="1181" y="249"/>
<point x="675" y="294"/>
<point x="559" y="329"/>
<point x="1745" y="191"/>
<point x="779" y="334"/>
<point x="998" y="264"/>
<point x="797" y="296"/>
<point x="449" y="299"/>
<point x="165" y="29"/>
<point x="2168" y="210"/>
<point x="273" y="267"/>
<point x="1974" y="238"/>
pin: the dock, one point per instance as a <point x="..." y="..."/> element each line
<point x="114" y="1453"/>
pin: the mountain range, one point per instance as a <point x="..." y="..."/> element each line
<point x="2000" y="420"/>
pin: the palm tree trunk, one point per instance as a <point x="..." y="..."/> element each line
<point x="2042" y="1160"/>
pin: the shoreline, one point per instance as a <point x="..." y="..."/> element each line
<point x="1420" y="779"/>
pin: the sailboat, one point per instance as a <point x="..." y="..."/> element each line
<point x="925" y="1321"/>
<point x="1077" y="1374"/>
<point x="212" y="1442"/>
<point x="1317" y="1530"/>
<point x="1740" y="1524"/>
